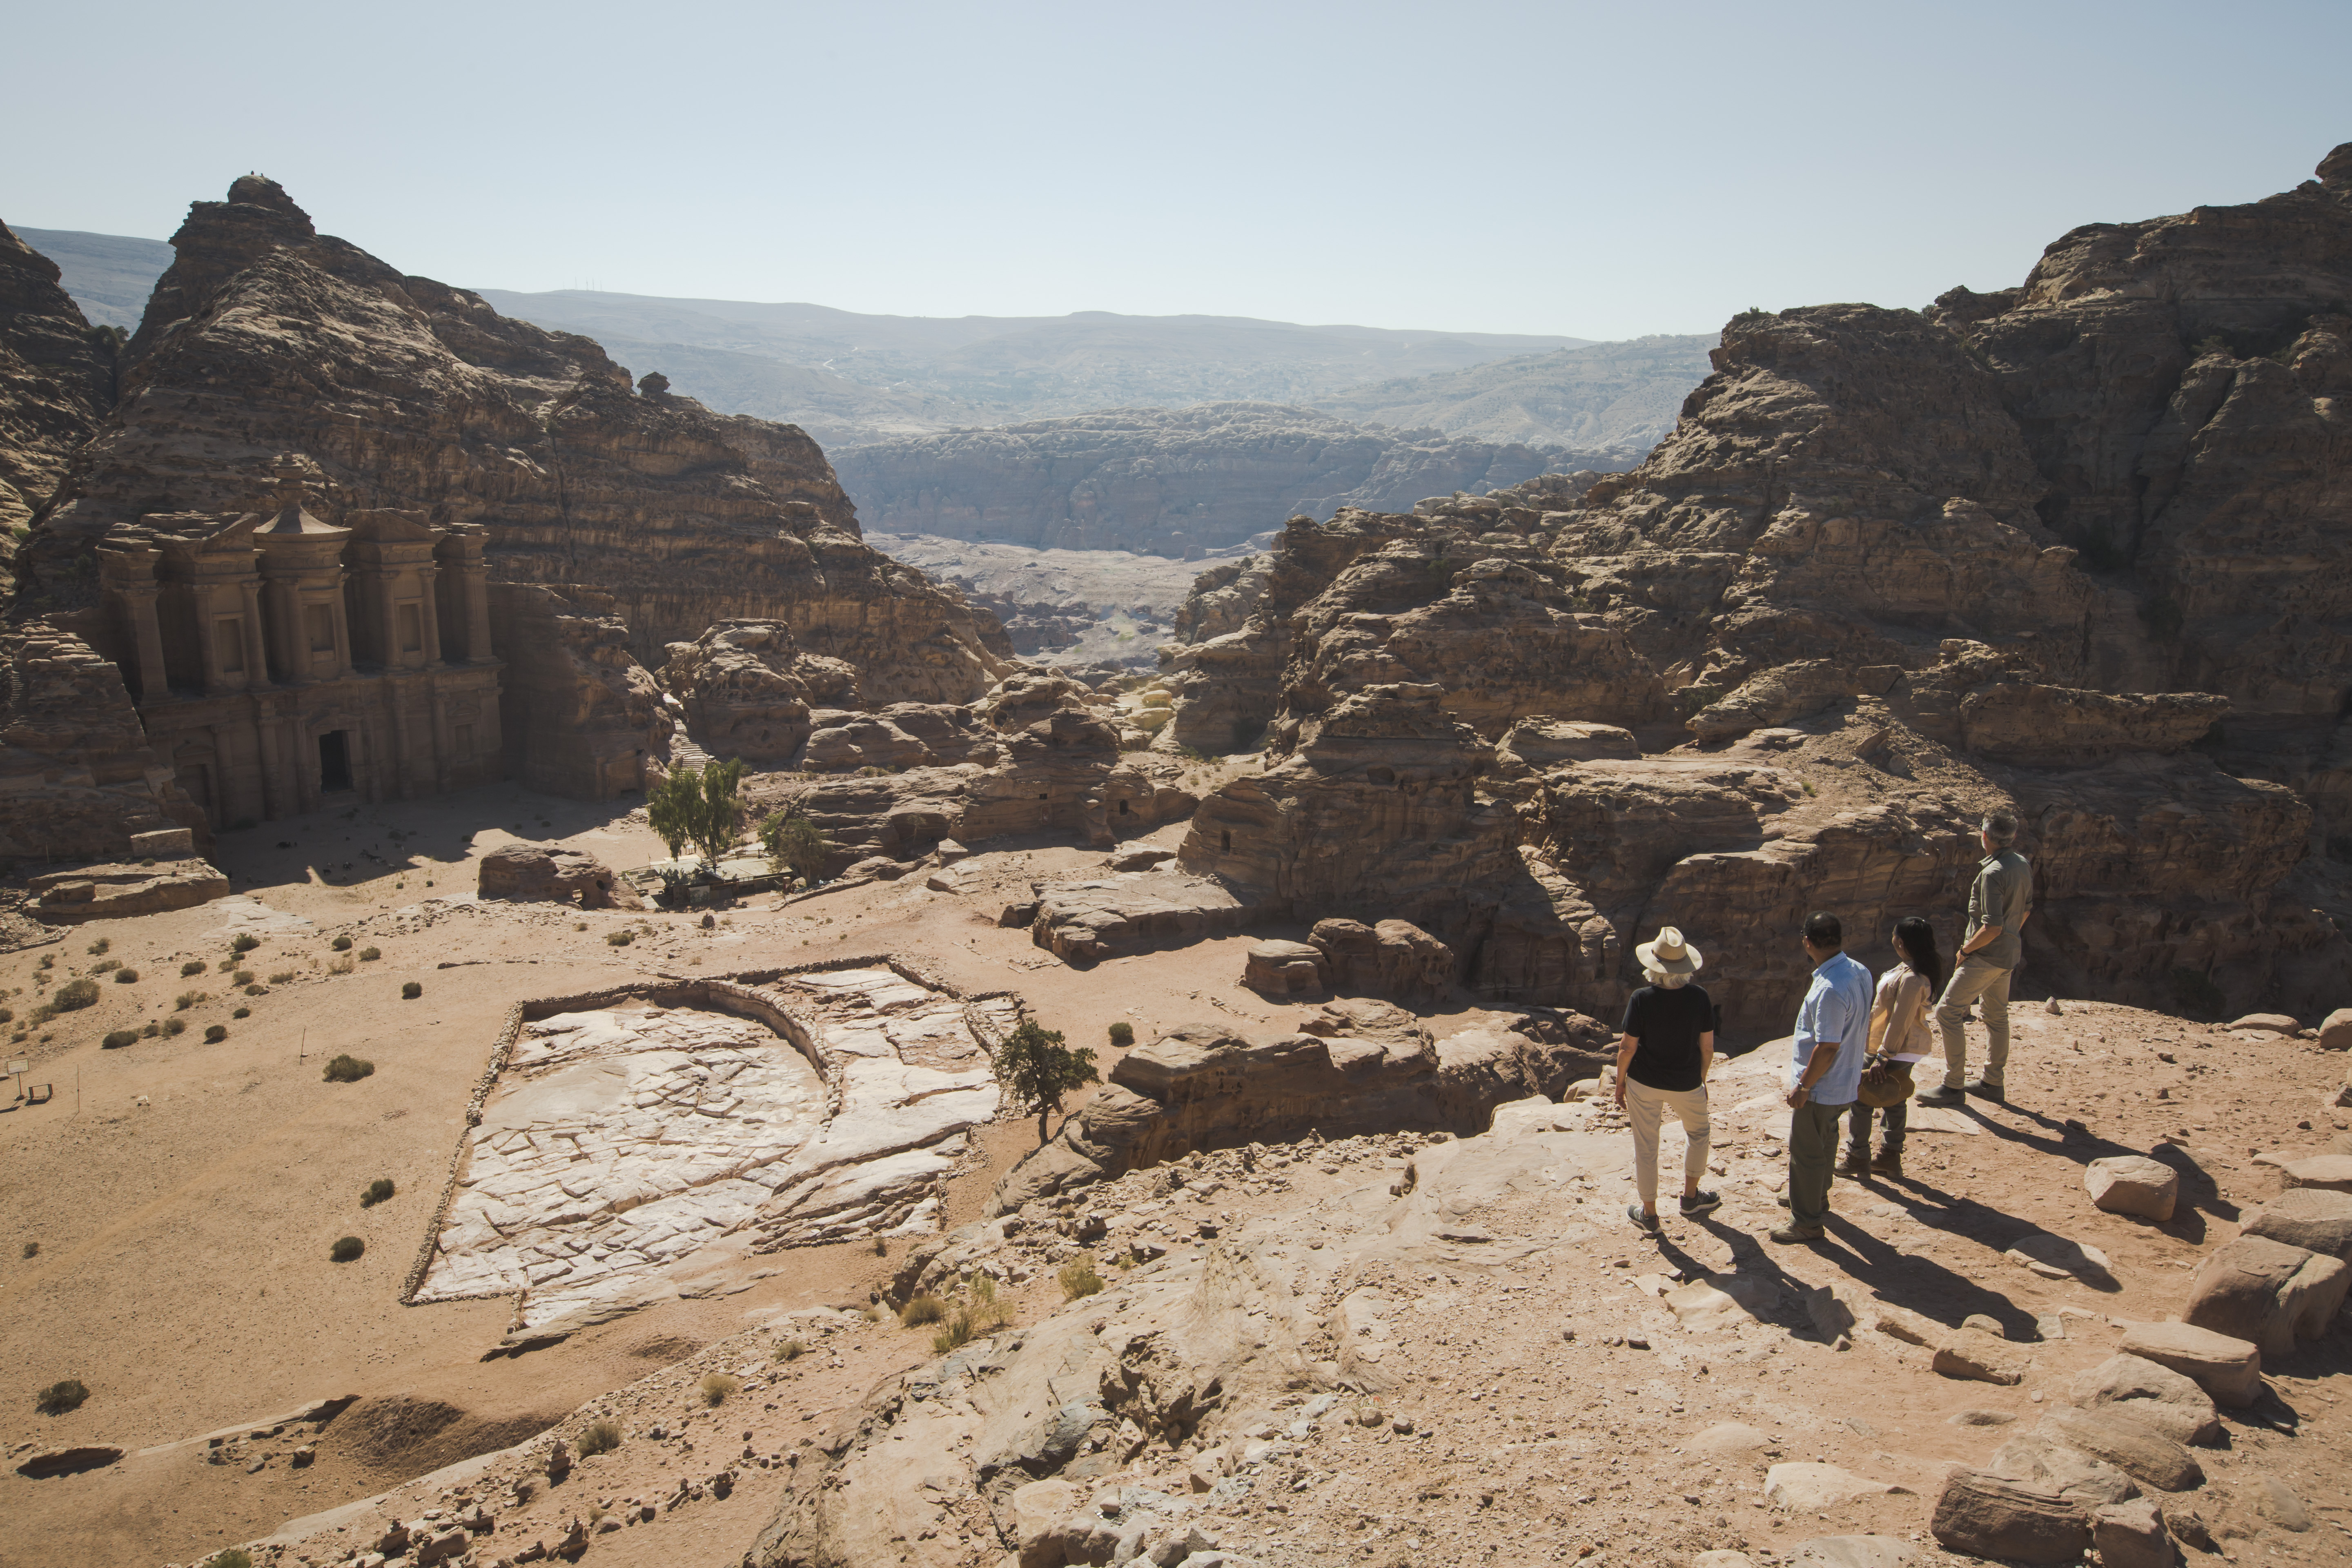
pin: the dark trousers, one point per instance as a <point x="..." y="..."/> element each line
<point x="1813" y="1150"/>
<point x="1857" y="1144"/>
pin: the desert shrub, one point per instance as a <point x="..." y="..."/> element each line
<point x="346" y="1248"/>
<point x="341" y="944"/>
<point x="618" y="939"/>
<point x="230" y="1557"/>
<point x="370" y="954"/>
<point x="187" y="999"/>
<point x="716" y="1386"/>
<point x="176" y="1025"/>
<point x="102" y="967"/>
<point x="1079" y="1278"/>
<point x="100" y="945"/>
<point x="791" y="1350"/>
<point x="126" y="977"/>
<point x="283" y="977"/>
<point x="151" y="1030"/>
<point x="924" y="1309"/>
<point x="215" y="1033"/>
<point x="256" y="989"/>
<point x="1122" y="1034"/>
<point x="244" y="942"/>
<point x="347" y="1069"/>
<point x="343" y="966"/>
<point x="411" y="989"/>
<point x="242" y="977"/>
<point x="979" y="1313"/>
<point x="242" y="1013"/>
<point x="378" y="1191"/>
<point x="598" y="1438"/>
<point x="32" y="1250"/>
<point x="795" y="844"/>
<point x="7" y="1014"/>
<point x="226" y="965"/>
<point x="118" y="1039"/>
<point x="194" y="966"/>
<point x="61" y="1396"/>
<point x="75" y="993"/>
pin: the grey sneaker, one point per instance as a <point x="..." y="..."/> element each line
<point x="1940" y="1095"/>
<point x="1648" y="1222"/>
<point x="1699" y="1202"/>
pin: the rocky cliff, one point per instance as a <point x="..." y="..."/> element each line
<point x="57" y="382"/>
<point x="1163" y="481"/>
<point x="2072" y="547"/>
<point x="265" y="336"/>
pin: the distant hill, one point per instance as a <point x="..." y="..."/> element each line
<point x="1614" y="400"/>
<point x="110" y="276"/>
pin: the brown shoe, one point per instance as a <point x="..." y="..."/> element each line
<point x="1856" y="1166"/>
<point x="1793" y="1233"/>
<point x="1888" y="1164"/>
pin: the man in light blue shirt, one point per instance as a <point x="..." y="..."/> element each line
<point x="1824" y="1072"/>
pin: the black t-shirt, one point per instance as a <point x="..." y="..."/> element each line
<point x="1668" y="1024"/>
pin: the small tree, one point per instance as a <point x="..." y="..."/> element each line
<point x="701" y="807"/>
<point x="722" y="807"/>
<point x="672" y="807"/>
<point x="1036" y="1070"/>
<point x="795" y="844"/>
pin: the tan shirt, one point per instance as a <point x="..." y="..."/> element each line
<point x="1898" y="1016"/>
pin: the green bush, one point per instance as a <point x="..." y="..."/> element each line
<point x="232" y="1557"/>
<point x="598" y="1438"/>
<point x="346" y="1248"/>
<point x="411" y="989"/>
<point x="1122" y="1034"/>
<point x="242" y="1013"/>
<point x="151" y="1030"/>
<point x="341" y="944"/>
<point x="118" y="1038"/>
<point x="242" y="977"/>
<point x="100" y="945"/>
<point x="75" y="993"/>
<point x="716" y="1386"/>
<point x="618" y="939"/>
<point x="244" y="942"/>
<point x="194" y="966"/>
<point x="126" y="977"/>
<point x="187" y="999"/>
<point x="924" y="1309"/>
<point x="378" y="1191"/>
<point x="370" y="954"/>
<point x="1079" y="1278"/>
<point x="215" y="1033"/>
<point x="791" y="1350"/>
<point x="348" y="1070"/>
<point x="60" y="1397"/>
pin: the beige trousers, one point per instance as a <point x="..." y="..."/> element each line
<point x="1975" y="980"/>
<point x="1646" y="1108"/>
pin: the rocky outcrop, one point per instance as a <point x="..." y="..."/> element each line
<point x="551" y="873"/>
<point x="78" y="779"/>
<point x="1163" y="481"/>
<point x="2025" y="545"/>
<point x="580" y="717"/>
<point x="746" y="688"/>
<point x="57" y="382"/>
<point x="103" y="892"/>
<point x="266" y="337"/>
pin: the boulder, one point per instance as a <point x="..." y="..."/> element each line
<point x="2131" y="1535"/>
<point x="2133" y="1184"/>
<point x="103" y="891"/>
<point x="1801" y="1485"/>
<point x="1278" y="968"/>
<point x="1130" y="912"/>
<point x="2228" y="1369"/>
<point x="2330" y="1172"/>
<point x="2150" y="1391"/>
<point x="2049" y="1464"/>
<point x="2268" y="1024"/>
<point x="1142" y="859"/>
<point x="1985" y="1515"/>
<point x="2133" y="1447"/>
<point x="2275" y="1501"/>
<point x="2317" y="1219"/>
<point x="2265" y="1292"/>
<point x="2057" y="1257"/>
<point x="1394" y="958"/>
<point x="1974" y="1354"/>
<point x="1547" y="743"/>
<point x="552" y="874"/>
<point x="2336" y="1031"/>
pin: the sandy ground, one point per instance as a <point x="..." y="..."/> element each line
<point x="183" y="1197"/>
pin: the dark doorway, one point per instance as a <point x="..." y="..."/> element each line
<point x="334" y="762"/>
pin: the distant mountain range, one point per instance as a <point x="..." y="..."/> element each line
<point x="110" y="276"/>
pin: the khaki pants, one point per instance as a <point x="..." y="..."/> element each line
<point x="1975" y="980"/>
<point x="1646" y="1108"/>
<point x="1812" y="1150"/>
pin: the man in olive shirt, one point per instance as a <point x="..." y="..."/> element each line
<point x="2000" y="903"/>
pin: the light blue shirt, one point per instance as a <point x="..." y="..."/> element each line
<point x="1837" y="1009"/>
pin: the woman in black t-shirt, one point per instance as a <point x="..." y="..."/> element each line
<point x="1662" y="1058"/>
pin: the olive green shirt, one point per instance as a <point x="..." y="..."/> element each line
<point x="2002" y="896"/>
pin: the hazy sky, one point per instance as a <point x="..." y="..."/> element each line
<point x="1601" y="170"/>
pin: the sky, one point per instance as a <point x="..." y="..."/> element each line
<point x="1599" y="172"/>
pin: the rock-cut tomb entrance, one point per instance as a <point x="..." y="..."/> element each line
<point x="626" y="1135"/>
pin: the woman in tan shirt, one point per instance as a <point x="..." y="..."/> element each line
<point x="1898" y="1037"/>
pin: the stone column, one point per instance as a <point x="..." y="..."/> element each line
<point x="430" y="610"/>
<point x="273" y="777"/>
<point x="305" y="763"/>
<point x="384" y="616"/>
<point x="287" y="634"/>
<point x="478" y="612"/>
<point x="370" y="765"/>
<point x="440" y="738"/>
<point x="256" y="652"/>
<point x="147" y="638"/>
<point x="209" y="641"/>
<point x="397" y="693"/>
<point x="342" y="630"/>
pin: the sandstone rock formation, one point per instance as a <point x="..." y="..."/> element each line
<point x="1161" y="481"/>
<point x="747" y="687"/>
<point x="580" y="716"/>
<point x="1960" y="558"/>
<point x="77" y="775"/>
<point x="73" y="894"/>
<point x="551" y="873"/>
<point x="57" y="382"/>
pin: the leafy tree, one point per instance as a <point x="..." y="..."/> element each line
<point x="722" y="808"/>
<point x="701" y="807"/>
<point x="795" y="844"/>
<point x="672" y="806"/>
<point x="1036" y="1070"/>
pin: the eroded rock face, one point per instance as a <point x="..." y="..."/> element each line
<point x="76" y="776"/>
<point x="267" y="337"/>
<point x="56" y="380"/>
<point x="580" y="716"/>
<point x="746" y="689"/>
